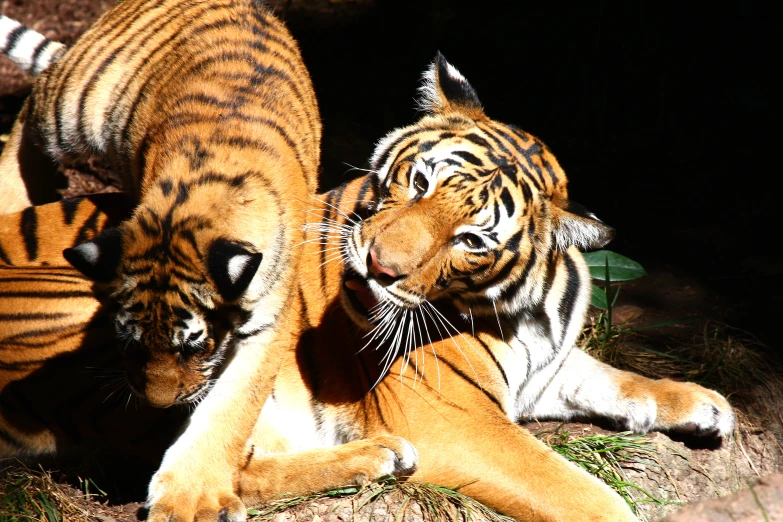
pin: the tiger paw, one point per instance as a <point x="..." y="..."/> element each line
<point x="178" y="497"/>
<point x="689" y="408"/>
<point x="397" y="456"/>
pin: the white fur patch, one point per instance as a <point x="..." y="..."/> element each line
<point x="90" y="252"/>
<point x="573" y="232"/>
<point x="236" y="266"/>
<point x="7" y="25"/>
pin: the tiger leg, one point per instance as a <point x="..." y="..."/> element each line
<point x="27" y="175"/>
<point x="585" y="386"/>
<point x="269" y="475"/>
<point x="504" y="466"/>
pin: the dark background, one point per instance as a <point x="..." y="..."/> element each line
<point x="660" y="115"/>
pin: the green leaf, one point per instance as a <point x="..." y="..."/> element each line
<point x="253" y="512"/>
<point x="598" y="299"/>
<point x="620" y="267"/>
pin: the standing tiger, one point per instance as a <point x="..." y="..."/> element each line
<point x="205" y="110"/>
<point x="462" y="275"/>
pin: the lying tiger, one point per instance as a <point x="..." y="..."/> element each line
<point x="438" y="304"/>
<point x="205" y="110"/>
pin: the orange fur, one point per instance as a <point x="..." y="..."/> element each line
<point x="444" y="412"/>
<point x="205" y="110"/>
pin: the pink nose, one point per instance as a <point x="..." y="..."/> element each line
<point x="376" y="268"/>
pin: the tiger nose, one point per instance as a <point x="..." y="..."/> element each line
<point x="383" y="274"/>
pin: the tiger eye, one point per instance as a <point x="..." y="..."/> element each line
<point x="472" y="240"/>
<point x="420" y="183"/>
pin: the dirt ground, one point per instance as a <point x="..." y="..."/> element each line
<point x="685" y="470"/>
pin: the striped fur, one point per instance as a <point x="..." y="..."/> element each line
<point x="37" y="236"/>
<point x="61" y="377"/>
<point x="205" y="110"/>
<point x="457" y="259"/>
<point x="29" y="49"/>
<point x="437" y="395"/>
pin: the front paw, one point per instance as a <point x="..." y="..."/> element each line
<point x="690" y="408"/>
<point x="398" y="456"/>
<point x="193" y="497"/>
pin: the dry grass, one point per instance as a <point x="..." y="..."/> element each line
<point x="30" y="495"/>
<point x="424" y="501"/>
<point x="607" y="457"/>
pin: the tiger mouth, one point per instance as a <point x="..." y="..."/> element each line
<point x="359" y="294"/>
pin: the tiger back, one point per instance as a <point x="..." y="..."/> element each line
<point x="207" y="113"/>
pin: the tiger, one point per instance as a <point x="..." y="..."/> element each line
<point x="29" y="49"/>
<point x="438" y="302"/>
<point x="206" y="112"/>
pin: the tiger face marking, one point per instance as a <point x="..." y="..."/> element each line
<point x="468" y="209"/>
<point x="173" y="322"/>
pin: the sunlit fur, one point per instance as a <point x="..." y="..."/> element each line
<point x="435" y="394"/>
<point x="205" y="110"/>
<point x="207" y="113"/>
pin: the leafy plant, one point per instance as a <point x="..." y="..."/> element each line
<point x="608" y="266"/>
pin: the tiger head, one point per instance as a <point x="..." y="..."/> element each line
<point x="466" y="209"/>
<point x="175" y="288"/>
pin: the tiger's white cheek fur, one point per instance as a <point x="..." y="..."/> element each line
<point x="194" y="331"/>
<point x="125" y="331"/>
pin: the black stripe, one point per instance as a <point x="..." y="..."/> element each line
<point x="70" y="206"/>
<point x="123" y="20"/>
<point x="472" y="382"/>
<point x="508" y="201"/>
<point x="77" y="327"/>
<point x="73" y="281"/>
<point x="41" y="295"/>
<point x="469" y="157"/>
<point x="566" y="306"/>
<point x="4" y="256"/>
<point x="29" y="230"/>
<point x="39" y="50"/>
<point x="89" y="227"/>
<point x="141" y="36"/>
<point x="13" y="38"/>
<point x="305" y="313"/>
<point x="384" y="156"/>
<point x="32" y="317"/>
<point x="360" y="204"/>
<point x="494" y="359"/>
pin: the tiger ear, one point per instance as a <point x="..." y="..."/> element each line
<point x="574" y="225"/>
<point x="232" y="267"/>
<point x="99" y="258"/>
<point x="444" y="90"/>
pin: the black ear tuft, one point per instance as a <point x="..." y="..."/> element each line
<point x="454" y="86"/>
<point x="232" y="267"/>
<point x="98" y="259"/>
<point x="444" y="89"/>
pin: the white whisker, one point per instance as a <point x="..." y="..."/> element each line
<point x="442" y="318"/>
<point x="498" y="318"/>
<point x="437" y="365"/>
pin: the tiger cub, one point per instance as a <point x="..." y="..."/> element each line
<point x="206" y="111"/>
<point x="432" y="383"/>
